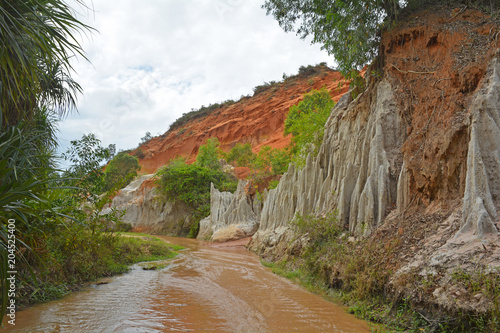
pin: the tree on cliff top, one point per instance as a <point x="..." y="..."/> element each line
<point x="347" y="29"/>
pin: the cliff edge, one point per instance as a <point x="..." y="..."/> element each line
<point x="414" y="162"/>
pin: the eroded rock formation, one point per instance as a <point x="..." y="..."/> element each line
<point x="481" y="204"/>
<point x="414" y="160"/>
<point x="419" y="137"/>
<point x="232" y="215"/>
<point x="146" y="211"/>
<point x="258" y="120"/>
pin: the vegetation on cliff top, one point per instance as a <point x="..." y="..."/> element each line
<point x="304" y="73"/>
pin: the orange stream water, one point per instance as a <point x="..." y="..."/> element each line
<point x="205" y="288"/>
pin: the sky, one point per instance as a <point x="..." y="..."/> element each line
<point x="152" y="62"/>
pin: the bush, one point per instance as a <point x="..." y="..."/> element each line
<point x="190" y="183"/>
<point x="208" y="155"/>
<point x="139" y="153"/>
<point x="120" y="171"/>
<point x="146" y="138"/>
<point x="200" y="113"/>
<point x="241" y="154"/>
<point x="306" y="122"/>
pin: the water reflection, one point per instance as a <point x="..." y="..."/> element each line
<point x="205" y="289"/>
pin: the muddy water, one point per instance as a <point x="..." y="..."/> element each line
<point x="205" y="288"/>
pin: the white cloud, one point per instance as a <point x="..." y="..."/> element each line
<point x="154" y="61"/>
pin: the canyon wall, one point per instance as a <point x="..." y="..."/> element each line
<point x="232" y="215"/>
<point x="258" y="119"/>
<point x="413" y="161"/>
<point x="146" y="211"/>
<point x="424" y="135"/>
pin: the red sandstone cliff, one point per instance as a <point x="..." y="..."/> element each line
<point x="258" y="120"/>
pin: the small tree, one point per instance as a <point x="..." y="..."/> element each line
<point x="87" y="154"/>
<point x="241" y="154"/>
<point x="122" y="166"/>
<point x="208" y="154"/>
<point x="306" y="122"/>
<point x="146" y="138"/>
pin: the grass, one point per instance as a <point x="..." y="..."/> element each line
<point x="356" y="274"/>
<point x="74" y="256"/>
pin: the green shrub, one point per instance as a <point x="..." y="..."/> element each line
<point x="120" y="171"/>
<point x="139" y="153"/>
<point x="209" y="154"/>
<point x="241" y="155"/>
<point x="190" y="183"/>
<point x="306" y="122"/>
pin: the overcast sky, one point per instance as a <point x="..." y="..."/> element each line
<point x="153" y="60"/>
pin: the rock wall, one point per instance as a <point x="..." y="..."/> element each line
<point x="146" y="211"/>
<point x="232" y="216"/>
<point x="425" y="136"/>
<point x="481" y="204"/>
<point x="258" y="120"/>
<point x="356" y="170"/>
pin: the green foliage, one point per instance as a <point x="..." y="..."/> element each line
<point x="347" y="29"/>
<point x="200" y="113"/>
<point x="273" y="184"/>
<point x="37" y="39"/>
<point x="146" y="138"/>
<point x="208" y="155"/>
<point x="190" y="183"/>
<point x="269" y="162"/>
<point x="264" y="87"/>
<point x="139" y="153"/>
<point x="280" y="159"/>
<point x="87" y="156"/>
<point x="310" y="70"/>
<point x="120" y="170"/>
<point x="306" y="122"/>
<point x="241" y="154"/>
<point x="26" y="178"/>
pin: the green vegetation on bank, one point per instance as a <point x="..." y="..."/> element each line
<point x="38" y="40"/>
<point x="356" y="273"/>
<point x="73" y="256"/>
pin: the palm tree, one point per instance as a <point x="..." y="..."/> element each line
<point x="37" y="38"/>
<point x="37" y="41"/>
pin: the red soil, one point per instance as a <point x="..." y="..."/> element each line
<point x="437" y="59"/>
<point x="258" y="120"/>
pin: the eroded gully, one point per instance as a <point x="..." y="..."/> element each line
<point x="206" y="288"/>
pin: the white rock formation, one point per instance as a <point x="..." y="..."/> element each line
<point x="360" y="171"/>
<point x="356" y="170"/>
<point x="481" y="204"/>
<point x="232" y="216"/>
<point x="149" y="212"/>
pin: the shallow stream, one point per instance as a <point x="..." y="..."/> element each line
<point x="206" y="288"/>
